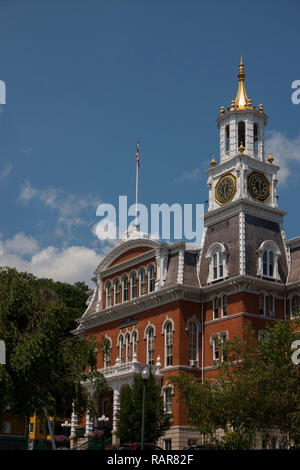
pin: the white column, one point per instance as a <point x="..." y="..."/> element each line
<point x="88" y="425"/>
<point x="116" y="406"/>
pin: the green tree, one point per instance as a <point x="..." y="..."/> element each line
<point x="46" y="364"/>
<point x="129" y="416"/>
<point x="257" y="388"/>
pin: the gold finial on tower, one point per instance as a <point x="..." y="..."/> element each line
<point x="241" y="100"/>
<point x="270" y="159"/>
<point x="213" y="161"/>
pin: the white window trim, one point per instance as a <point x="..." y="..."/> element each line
<point x="290" y="298"/>
<point x="216" y="248"/>
<point x="109" y="354"/>
<point x="168" y="320"/>
<point x="198" y="329"/>
<point x="148" y="269"/>
<point x="265" y="303"/>
<point x="133" y="285"/>
<point x="142" y="268"/>
<point x="147" y="342"/>
<point x="163" y="391"/>
<point x="107" y="284"/>
<point x="212" y="341"/>
<point x="271" y="246"/>
<point x="115" y="292"/>
<point x="127" y="349"/>
<point x="128" y="287"/>
<point x="273" y="313"/>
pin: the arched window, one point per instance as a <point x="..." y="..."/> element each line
<point x="268" y="254"/>
<point x="255" y="136"/>
<point x="106" y="355"/>
<point x="150" y="346"/>
<point x="217" y="259"/>
<point x="241" y="133"/>
<point x="168" y="344"/>
<point x="125" y="288"/>
<point x="133" y="286"/>
<point x="223" y="339"/>
<point x="108" y="293"/>
<point x="215" y="345"/>
<point x="295" y="306"/>
<point x="142" y="280"/>
<point x="227" y="141"/>
<point x="192" y="343"/>
<point x="127" y="347"/>
<point x="168" y="399"/>
<point x="117" y="291"/>
<point x="151" y="278"/>
<point x="134" y="343"/>
<point x="217" y="342"/>
<point x="121" y="348"/>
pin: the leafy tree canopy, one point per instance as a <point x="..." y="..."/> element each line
<point x="46" y="364"/>
<point x="257" y="388"/>
<point x="129" y="416"/>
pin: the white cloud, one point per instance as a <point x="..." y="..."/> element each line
<point x="27" y="193"/>
<point x="73" y="210"/>
<point x="71" y="264"/>
<point x="286" y="152"/>
<point x="4" y="173"/>
<point x="21" y="244"/>
<point x="193" y="175"/>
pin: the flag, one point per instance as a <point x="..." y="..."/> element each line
<point x="137" y="154"/>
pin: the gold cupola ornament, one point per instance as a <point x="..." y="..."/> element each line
<point x="241" y="101"/>
<point x="270" y="159"/>
<point x="213" y="161"/>
<point x="241" y="148"/>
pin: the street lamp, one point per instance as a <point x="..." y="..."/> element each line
<point x="145" y="377"/>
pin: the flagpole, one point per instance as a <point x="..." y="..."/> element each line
<point x="137" y="184"/>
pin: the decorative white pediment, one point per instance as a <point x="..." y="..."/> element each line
<point x="123" y="247"/>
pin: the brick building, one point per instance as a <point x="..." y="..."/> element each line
<point x="167" y="304"/>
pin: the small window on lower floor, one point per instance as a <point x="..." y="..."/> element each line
<point x="6" y="427"/>
<point x="167" y="444"/>
<point x="192" y="442"/>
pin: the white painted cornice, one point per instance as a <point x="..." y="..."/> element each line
<point x="246" y="205"/>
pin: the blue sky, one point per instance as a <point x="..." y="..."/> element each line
<point x="85" y="79"/>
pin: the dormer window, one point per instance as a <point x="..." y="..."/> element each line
<point x="217" y="258"/>
<point x="268" y="254"/>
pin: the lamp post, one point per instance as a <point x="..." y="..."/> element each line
<point x="145" y="377"/>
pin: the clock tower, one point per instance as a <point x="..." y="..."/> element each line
<point x="242" y="190"/>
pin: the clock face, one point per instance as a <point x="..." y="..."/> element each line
<point x="225" y="188"/>
<point x="258" y="186"/>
